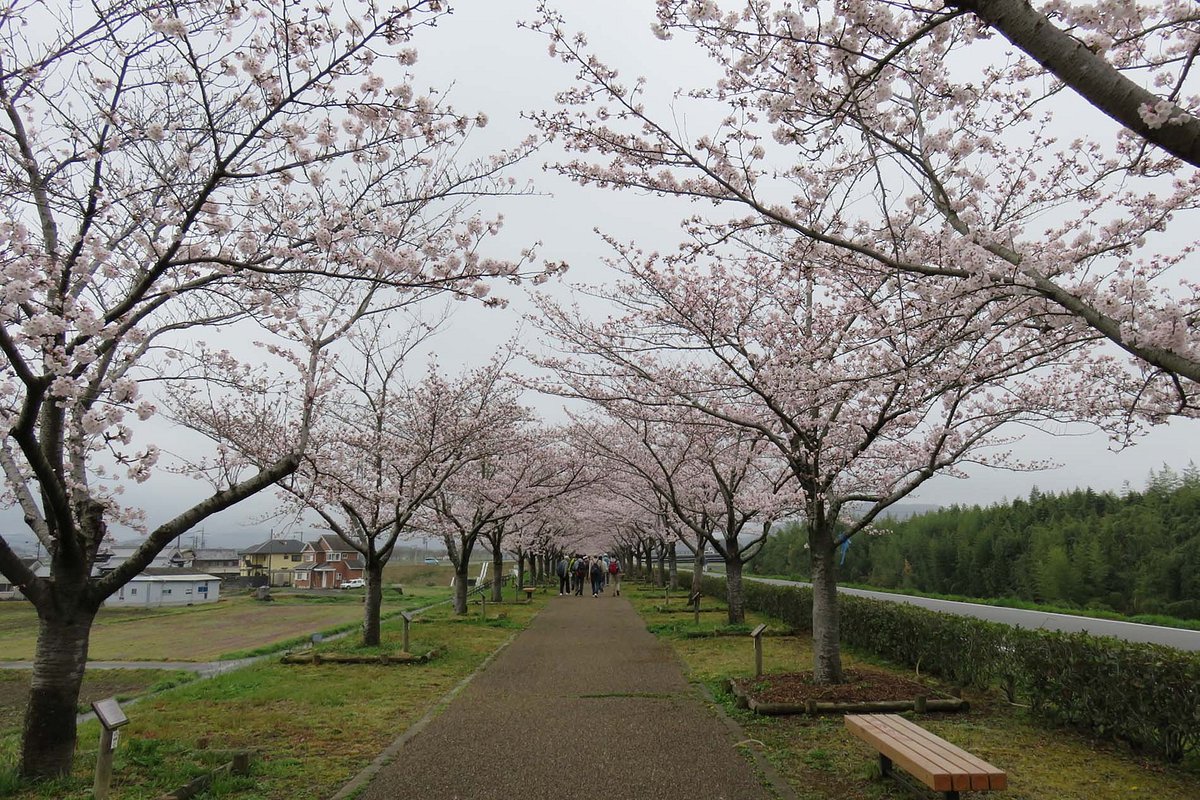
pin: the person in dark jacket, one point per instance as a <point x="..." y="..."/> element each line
<point x="581" y="574"/>
<point x="596" y="570"/>
<point x="564" y="576"/>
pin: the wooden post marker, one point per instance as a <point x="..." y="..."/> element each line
<point x="111" y="717"/>
<point x="694" y="600"/>
<point x="757" y="636"/>
<point x="407" y="620"/>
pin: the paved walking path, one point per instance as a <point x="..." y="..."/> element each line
<point x="584" y="703"/>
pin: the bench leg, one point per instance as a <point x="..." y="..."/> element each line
<point x="885" y="765"/>
<point x="951" y="795"/>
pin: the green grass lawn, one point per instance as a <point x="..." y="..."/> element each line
<point x="821" y="761"/>
<point x="312" y="727"/>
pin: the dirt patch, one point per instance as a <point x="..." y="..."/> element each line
<point x="97" y="684"/>
<point x="862" y="685"/>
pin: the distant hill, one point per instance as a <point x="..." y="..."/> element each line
<point x="905" y="510"/>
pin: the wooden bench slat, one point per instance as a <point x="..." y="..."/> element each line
<point x="929" y="768"/>
<point x="939" y="764"/>
<point x="969" y="771"/>
<point x="982" y="774"/>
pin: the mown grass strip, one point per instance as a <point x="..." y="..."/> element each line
<point x="821" y="762"/>
<point x="311" y="727"/>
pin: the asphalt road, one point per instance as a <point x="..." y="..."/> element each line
<point x="1130" y="631"/>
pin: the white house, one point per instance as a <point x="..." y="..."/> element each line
<point x="167" y="587"/>
<point x="40" y="568"/>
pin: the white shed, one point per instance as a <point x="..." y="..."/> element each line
<point x="167" y="587"/>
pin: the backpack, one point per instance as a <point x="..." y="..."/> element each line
<point x="613" y="569"/>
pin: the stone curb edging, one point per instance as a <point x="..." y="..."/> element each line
<point x="780" y="787"/>
<point x="390" y="752"/>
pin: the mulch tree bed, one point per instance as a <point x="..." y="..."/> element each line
<point x="864" y="690"/>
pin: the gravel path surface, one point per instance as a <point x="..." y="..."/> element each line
<point x="585" y="702"/>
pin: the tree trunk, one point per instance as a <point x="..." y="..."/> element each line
<point x="460" y="588"/>
<point x="698" y="565"/>
<point x="734" y="592"/>
<point x="662" y="566"/>
<point x="48" y="744"/>
<point x="373" y="602"/>
<point x="497" y="575"/>
<point x="673" y="564"/>
<point x="827" y="655"/>
<point x="521" y="570"/>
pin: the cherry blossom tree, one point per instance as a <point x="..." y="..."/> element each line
<point x="171" y="171"/>
<point x="904" y="138"/>
<point x="866" y="388"/>
<point x="522" y="470"/>
<point x="383" y="449"/>
<point x="712" y="477"/>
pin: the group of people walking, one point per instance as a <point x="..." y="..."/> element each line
<point x="575" y="572"/>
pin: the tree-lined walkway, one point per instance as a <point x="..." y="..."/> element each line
<point x="584" y="702"/>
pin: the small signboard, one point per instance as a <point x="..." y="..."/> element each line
<point x="757" y="632"/>
<point x="407" y="616"/>
<point x="694" y="599"/>
<point x="109" y="712"/>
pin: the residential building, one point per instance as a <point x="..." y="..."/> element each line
<point x="39" y="567"/>
<point x="221" y="562"/>
<point x="328" y="563"/>
<point x="112" y="556"/>
<point x="158" y="586"/>
<point x="273" y="559"/>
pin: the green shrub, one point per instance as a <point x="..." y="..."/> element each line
<point x="1146" y="695"/>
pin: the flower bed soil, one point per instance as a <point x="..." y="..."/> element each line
<point x="795" y="693"/>
<point x="861" y="685"/>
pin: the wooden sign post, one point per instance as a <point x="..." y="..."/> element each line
<point x="407" y="620"/>
<point x="111" y="717"/>
<point x="757" y="634"/>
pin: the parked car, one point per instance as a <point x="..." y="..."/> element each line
<point x="354" y="583"/>
<point x="431" y="560"/>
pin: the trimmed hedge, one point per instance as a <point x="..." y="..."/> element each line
<point x="1146" y="695"/>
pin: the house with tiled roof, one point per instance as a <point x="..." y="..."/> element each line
<point x="273" y="559"/>
<point x="219" y="561"/>
<point x="328" y="563"/>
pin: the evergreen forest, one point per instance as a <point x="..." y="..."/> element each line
<point x="1131" y="553"/>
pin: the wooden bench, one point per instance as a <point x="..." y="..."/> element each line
<point x="933" y="761"/>
<point x="528" y="590"/>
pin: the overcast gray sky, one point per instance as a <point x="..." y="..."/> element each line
<point x="490" y="65"/>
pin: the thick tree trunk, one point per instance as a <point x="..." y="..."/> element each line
<point x="373" y="602"/>
<point x="497" y="575"/>
<point x="734" y="592"/>
<point x="460" y="588"/>
<point x="662" y="567"/>
<point x="520" y="570"/>
<point x="827" y="655"/>
<point x="48" y="745"/>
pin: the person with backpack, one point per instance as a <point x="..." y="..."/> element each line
<point x="614" y="574"/>
<point x="581" y="571"/>
<point x="597" y="574"/>
<point x="564" y="576"/>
